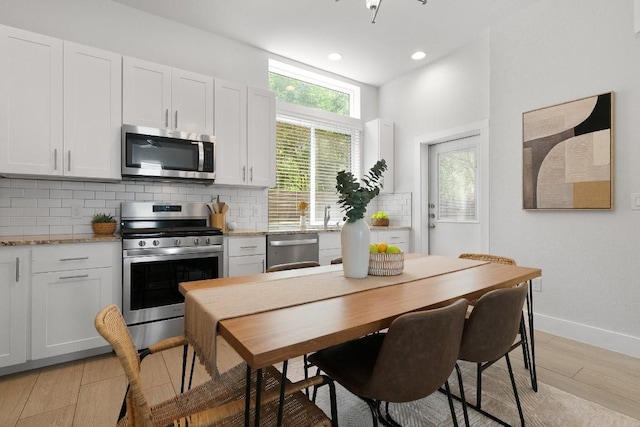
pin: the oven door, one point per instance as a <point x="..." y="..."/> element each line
<point x="151" y="278"/>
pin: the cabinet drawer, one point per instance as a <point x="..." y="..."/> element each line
<point x="71" y="257"/>
<point x="241" y="246"/>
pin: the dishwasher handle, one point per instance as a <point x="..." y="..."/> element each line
<point x="295" y="242"/>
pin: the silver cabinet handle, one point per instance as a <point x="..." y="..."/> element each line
<point x="80" y="276"/>
<point x="17" y="270"/>
<point x="166" y="118"/>
<point x="69" y="160"/>
<point x="55" y="159"/>
<point x="293" y="242"/>
<point x="175" y="125"/>
<point x="249" y="247"/>
<point x="251" y="173"/>
<point x="263" y="269"/>
<point x="74" y="259"/>
<point x="244" y="173"/>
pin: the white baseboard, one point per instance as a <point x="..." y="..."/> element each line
<point x="614" y="341"/>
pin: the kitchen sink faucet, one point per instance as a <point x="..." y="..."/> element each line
<point x="327" y="216"/>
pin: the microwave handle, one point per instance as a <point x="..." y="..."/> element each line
<point x="200" y="151"/>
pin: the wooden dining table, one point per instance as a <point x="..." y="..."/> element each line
<point x="279" y="332"/>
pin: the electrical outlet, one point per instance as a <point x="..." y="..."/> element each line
<point x="76" y="211"/>
<point x="536" y="284"/>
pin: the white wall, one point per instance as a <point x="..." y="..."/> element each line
<point x="550" y="53"/>
<point x="112" y="26"/>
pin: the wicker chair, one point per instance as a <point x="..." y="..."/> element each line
<point x="218" y="402"/>
<point x="523" y="330"/>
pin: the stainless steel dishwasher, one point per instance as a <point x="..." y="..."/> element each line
<point x="285" y="248"/>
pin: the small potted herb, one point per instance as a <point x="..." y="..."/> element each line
<point x="103" y="224"/>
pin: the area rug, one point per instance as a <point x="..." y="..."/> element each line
<point x="548" y="407"/>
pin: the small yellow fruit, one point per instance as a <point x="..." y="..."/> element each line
<point x="373" y="249"/>
<point x="393" y="250"/>
<point x="382" y="247"/>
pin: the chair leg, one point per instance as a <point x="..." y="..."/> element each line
<point x="185" y="349"/>
<point x="479" y="385"/>
<point x="453" y="410"/>
<point x="374" y="406"/>
<point x="525" y="345"/>
<point x="463" y="399"/>
<point x="387" y="420"/>
<point x="515" y="390"/>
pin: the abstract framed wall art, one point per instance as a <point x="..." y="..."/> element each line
<point x="568" y="155"/>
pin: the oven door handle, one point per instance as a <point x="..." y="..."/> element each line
<point x="293" y="242"/>
<point x="127" y="253"/>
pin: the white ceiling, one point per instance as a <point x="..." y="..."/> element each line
<point x="308" y="30"/>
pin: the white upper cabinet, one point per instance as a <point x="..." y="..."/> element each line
<point x="92" y="112"/>
<point x="379" y="144"/>
<point x="30" y="103"/>
<point x="158" y="96"/>
<point x="39" y="104"/>
<point x="245" y="129"/>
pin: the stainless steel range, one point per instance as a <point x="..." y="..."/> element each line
<point x="162" y="246"/>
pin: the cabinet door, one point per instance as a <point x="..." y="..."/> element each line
<point x="379" y="144"/>
<point x="192" y="102"/>
<point x="63" y="307"/>
<point x="243" y="265"/>
<point x="92" y="112"/>
<point x="30" y="103"/>
<point x="230" y="126"/>
<point x="261" y="137"/>
<point x="146" y="93"/>
<point x="14" y="283"/>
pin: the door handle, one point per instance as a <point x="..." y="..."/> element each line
<point x="17" y="270"/>
<point x="432" y="225"/>
<point x="175" y="125"/>
<point x="55" y="159"/>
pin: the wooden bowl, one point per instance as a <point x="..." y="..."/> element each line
<point x="380" y="222"/>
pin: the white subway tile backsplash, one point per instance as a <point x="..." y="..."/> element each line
<point x="41" y="207"/>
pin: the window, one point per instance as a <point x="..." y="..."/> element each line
<point x="316" y="137"/>
<point x="457" y="185"/>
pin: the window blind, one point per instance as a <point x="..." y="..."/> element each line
<point x="309" y="154"/>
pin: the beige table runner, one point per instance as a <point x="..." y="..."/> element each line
<point x="205" y="307"/>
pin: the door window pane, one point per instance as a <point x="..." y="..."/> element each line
<point x="457" y="185"/>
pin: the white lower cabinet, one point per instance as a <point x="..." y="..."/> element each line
<point x="14" y="287"/>
<point x="399" y="238"/>
<point x="70" y="284"/>
<point x="247" y="255"/>
<point x="329" y="247"/>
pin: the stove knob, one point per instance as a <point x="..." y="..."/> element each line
<point x="208" y="241"/>
<point x="176" y="242"/>
<point x="156" y="242"/>
<point x="196" y="241"/>
<point x="142" y="243"/>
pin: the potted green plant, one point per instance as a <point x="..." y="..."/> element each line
<point x="355" y="235"/>
<point x="103" y="224"/>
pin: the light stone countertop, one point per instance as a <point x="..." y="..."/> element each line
<point x="56" y="239"/>
<point x="92" y="238"/>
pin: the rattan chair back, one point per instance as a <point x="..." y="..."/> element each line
<point x="487" y="257"/>
<point x="292" y="266"/>
<point x="111" y="325"/>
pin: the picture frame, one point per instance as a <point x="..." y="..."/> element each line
<point x="568" y="155"/>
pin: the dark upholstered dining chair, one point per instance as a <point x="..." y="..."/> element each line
<point x="218" y="402"/>
<point x="489" y="335"/>
<point x="292" y="266"/>
<point x="526" y="355"/>
<point x="409" y="362"/>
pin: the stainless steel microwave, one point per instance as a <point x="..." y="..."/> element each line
<point x="162" y="153"/>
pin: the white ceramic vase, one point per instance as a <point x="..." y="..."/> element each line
<point x="355" y="238"/>
<point x="303" y="222"/>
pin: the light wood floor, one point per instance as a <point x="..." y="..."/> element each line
<point x="89" y="392"/>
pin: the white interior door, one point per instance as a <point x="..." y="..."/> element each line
<point x="453" y="207"/>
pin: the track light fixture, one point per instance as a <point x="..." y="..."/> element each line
<point x="374" y="7"/>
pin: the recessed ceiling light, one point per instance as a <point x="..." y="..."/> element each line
<point x="334" y="56"/>
<point x="418" y="55"/>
